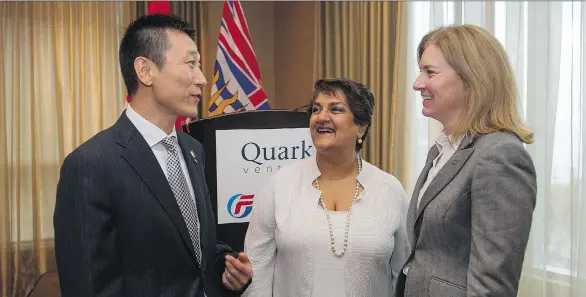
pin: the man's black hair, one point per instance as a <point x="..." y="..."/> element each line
<point x="147" y="37"/>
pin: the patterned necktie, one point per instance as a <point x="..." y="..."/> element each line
<point x="178" y="184"/>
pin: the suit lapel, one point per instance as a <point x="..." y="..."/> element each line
<point x="195" y="174"/>
<point x="433" y="152"/>
<point x="443" y="177"/>
<point x="141" y="158"/>
<point x="446" y="174"/>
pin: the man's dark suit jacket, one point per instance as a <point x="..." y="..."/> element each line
<point x="118" y="228"/>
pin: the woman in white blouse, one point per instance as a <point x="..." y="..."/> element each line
<point x="331" y="224"/>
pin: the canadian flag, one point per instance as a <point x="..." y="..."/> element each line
<point x="159" y="7"/>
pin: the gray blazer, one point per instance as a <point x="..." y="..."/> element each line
<point x="469" y="234"/>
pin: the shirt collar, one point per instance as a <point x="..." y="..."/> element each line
<point x="151" y="133"/>
<point x="443" y="140"/>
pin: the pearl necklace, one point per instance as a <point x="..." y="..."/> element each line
<point x="323" y="204"/>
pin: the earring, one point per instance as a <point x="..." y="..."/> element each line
<point x="359" y="140"/>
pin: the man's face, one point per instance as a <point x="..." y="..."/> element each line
<point x="178" y="85"/>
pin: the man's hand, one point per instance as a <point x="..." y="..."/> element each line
<point x="238" y="272"/>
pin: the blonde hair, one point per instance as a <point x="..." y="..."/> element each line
<point x="483" y="65"/>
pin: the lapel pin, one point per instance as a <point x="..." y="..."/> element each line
<point x="193" y="156"/>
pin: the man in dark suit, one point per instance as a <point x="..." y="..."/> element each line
<point x="132" y="216"/>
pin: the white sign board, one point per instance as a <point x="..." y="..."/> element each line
<point x="246" y="159"/>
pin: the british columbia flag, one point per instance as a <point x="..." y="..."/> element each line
<point x="237" y="85"/>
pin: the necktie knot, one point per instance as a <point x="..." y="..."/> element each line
<point x="170" y="143"/>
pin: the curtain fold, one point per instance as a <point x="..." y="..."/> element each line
<point x="544" y="33"/>
<point x="59" y="85"/>
<point x="359" y="40"/>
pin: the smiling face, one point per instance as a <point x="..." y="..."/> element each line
<point x="178" y="85"/>
<point x="332" y="123"/>
<point x="441" y="88"/>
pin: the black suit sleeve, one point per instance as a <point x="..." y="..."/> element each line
<point x="85" y="231"/>
<point x="222" y="249"/>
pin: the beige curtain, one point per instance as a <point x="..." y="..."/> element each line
<point x="59" y="85"/>
<point x="358" y="40"/>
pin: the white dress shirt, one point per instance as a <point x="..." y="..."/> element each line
<point x="446" y="151"/>
<point x="288" y="241"/>
<point x="153" y="136"/>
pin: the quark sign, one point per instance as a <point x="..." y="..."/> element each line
<point x="253" y="152"/>
<point x="246" y="159"/>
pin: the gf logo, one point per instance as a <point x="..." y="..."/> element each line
<point x="240" y="206"/>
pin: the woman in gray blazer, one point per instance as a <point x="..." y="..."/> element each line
<point x="472" y="206"/>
